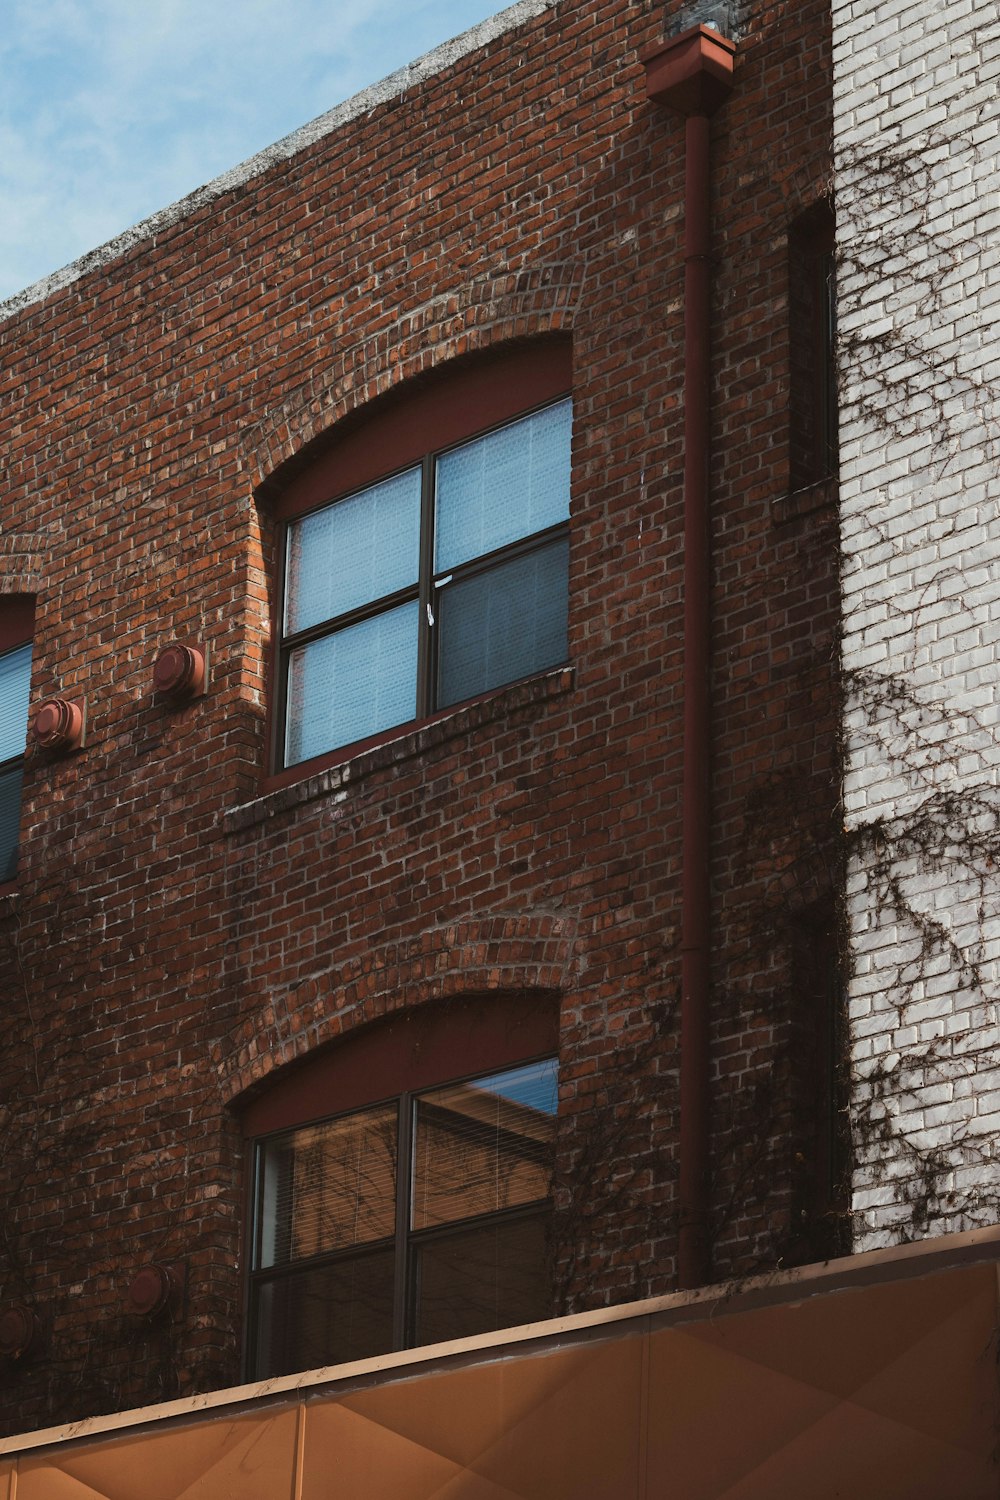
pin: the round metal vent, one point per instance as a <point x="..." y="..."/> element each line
<point x="58" y="725"/>
<point x="179" y="671"/>
<point x="149" y="1291"/>
<point x="19" y="1331"/>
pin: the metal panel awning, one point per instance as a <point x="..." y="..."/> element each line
<point x="874" y="1375"/>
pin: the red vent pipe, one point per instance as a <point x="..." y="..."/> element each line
<point x="692" y="74"/>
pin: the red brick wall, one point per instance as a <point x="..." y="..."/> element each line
<point x="174" y="938"/>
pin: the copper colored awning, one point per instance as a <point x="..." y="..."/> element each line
<point x="872" y="1376"/>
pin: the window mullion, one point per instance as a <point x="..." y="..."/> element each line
<point x="404" y="1180"/>
<point x="279" y="725"/>
<point x="335" y="623"/>
<point x="425" y="647"/>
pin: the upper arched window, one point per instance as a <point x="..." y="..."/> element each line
<point x="17" y="615"/>
<point x="425" y="556"/>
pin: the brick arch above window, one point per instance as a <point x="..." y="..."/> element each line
<point x="21" y="574"/>
<point x="529" y="954"/>
<point x="479" y="318"/>
<point x="445" y="405"/>
<point x="415" y="1047"/>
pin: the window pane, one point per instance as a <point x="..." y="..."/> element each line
<point x="352" y="684"/>
<point x="328" y="1187"/>
<point x="354" y="552"/>
<point x="504" y="623"/>
<point x="324" y="1315"/>
<point x="504" y="486"/>
<point x="10" y="821"/>
<point x="493" y="1276"/>
<point x="15" y="683"/>
<point x="484" y="1146"/>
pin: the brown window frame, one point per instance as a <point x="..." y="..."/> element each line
<point x="385" y="1063"/>
<point x="414" y="426"/>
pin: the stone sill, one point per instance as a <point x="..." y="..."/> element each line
<point x="821" y="496"/>
<point x="407" y="745"/>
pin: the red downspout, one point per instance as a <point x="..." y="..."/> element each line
<point x="692" y="74"/>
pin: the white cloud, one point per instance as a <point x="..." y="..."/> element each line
<point x="110" y="109"/>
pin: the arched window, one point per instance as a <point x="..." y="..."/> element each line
<point x="425" y="556"/>
<point x="404" y="1197"/>
<point x="17" y="615"/>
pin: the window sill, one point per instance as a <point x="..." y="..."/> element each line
<point x="8" y="890"/>
<point x="406" y="745"/>
<point x="806" y="502"/>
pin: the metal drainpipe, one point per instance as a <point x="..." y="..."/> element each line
<point x="692" y="75"/>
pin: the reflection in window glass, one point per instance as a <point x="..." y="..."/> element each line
<point x="354" y="684"/>
<point x="503" y="623"/>
<point x="10" y="820"/>
<point x="492" y="1276"/>
<point x="329" y="1186"/>
<point x="324" y="1315"/>
<point x="483" y="1146"/>
<point x="15" y="683"/>
<point x="359" y="550"/>
<point x="504" y="486"/>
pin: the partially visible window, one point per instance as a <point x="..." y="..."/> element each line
<point x="428" y="564"/>
<point x="411" y="1221"/>
<point x="812" y="311"/>
<point x="15" y="683"/>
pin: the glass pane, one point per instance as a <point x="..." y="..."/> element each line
<point x="354" y="552"/>
<point x="15" y="683"/>
<point x="493" y="1276"/>
<point x="352" y="684"/>
<point x="10" y="821"/>
<point x="325" y="1315"/>
<point x="506" y="485"/>
<point x="485" y="1145"/>
<point x="504" y="623"/>
<point x="328" y="1187"/>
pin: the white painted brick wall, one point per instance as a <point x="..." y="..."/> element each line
<point x="917" y="182"/>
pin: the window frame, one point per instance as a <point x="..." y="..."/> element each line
<point x="410" y="1052"/>
<point x="413" y="426"/>
<point x="405" y="1242"/>
<point x="17" y="631"/>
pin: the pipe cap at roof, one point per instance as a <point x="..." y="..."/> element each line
<point x="691" y="73"/>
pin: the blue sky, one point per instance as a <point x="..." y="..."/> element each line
<point x="111" y="109"/>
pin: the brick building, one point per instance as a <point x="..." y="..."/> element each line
<point x="422" y="898"/>
<point x="917" y="176"/>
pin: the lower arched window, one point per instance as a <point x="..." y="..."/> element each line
<point x="419" y="1217"/>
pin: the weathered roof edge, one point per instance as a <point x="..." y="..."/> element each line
<point x="370" y="98"/>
